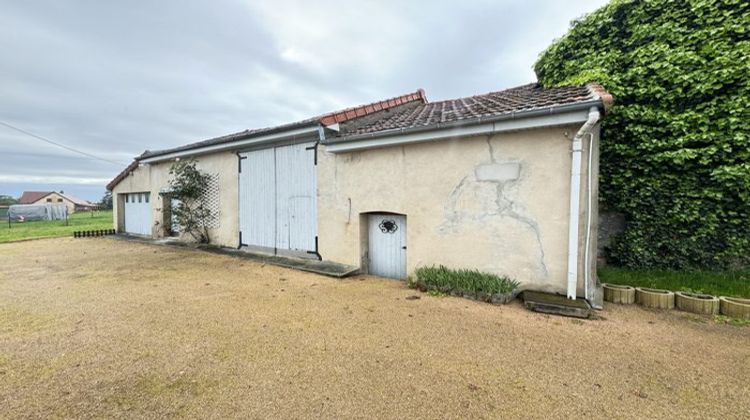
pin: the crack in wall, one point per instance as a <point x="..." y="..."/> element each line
<point x="505" y="206"/>
<point x="491" y="149"/>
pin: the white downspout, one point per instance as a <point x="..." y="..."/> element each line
<point x="587" y="244"/>
<point x="575" y="199"/>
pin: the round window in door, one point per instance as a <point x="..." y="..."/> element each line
<point x="388" y="226"/>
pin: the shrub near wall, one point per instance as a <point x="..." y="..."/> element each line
<point x="676" y="145"/>
<point x="469" y="283"/>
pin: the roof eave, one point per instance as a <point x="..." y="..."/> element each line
<point x="460" y="127"/>
<point x="313" y="123"/>
<point x="235" y="143"/>
<point x="122" y="175"/>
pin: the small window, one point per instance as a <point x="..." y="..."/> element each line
<point x="59" y="200"/>
<point x="49" y="200"/>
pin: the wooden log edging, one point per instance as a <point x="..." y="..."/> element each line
<point x="93" y="233"/>
<point x="616" y="293"/>
<point x="735" y="307"/>
<point x="697" y="303"/>
<point x="654" y="298"/>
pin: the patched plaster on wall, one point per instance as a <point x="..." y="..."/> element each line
<point x="499" y="172"/>
<point x="490" y="192"/>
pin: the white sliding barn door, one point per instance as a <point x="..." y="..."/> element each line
<point x="278" y="198"/>
<point x="257" y="198"/>
<point x="296" y="209"/>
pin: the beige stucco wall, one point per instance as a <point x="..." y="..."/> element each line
<point x="513" y="222"/>
<point x="516" y="227"/>
<point x="155" y="177"/>
<point x="56" y="198"/>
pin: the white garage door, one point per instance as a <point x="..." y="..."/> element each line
<point x="138" y="213"/>
<point x="278" y="203"/>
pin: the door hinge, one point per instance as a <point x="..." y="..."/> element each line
<point x="314" y="148"/>
<point x="239" y="162"/>
<point x="316" y="252"/>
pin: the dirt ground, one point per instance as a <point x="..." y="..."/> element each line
<point x="98" y="327"/>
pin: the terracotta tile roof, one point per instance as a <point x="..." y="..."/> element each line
<point x="325" y="119"/>
<point x="29" y="197"/>
<point x="412" y="111"/>
<point x="363" y="110"/>
<point x="522" y="98"/>
<point x="343" y="115"/>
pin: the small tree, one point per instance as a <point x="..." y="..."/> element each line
<point x="6" y="200"/>
<point x="106" y="202"/>
<point x="191" y="212"/>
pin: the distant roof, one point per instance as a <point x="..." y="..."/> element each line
<point x="514" y="100"/>
<point x="30" y="197"/>
<point x="76" y="200"/>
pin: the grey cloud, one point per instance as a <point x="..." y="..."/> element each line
<point x="116" y="78"/>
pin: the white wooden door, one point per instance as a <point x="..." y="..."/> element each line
<point x="296" y="208"/>
<point x="258" y="198"/>
<point x="278" y="198"/>
<point x="138" y="213"/>
<point x="387" y="245"/>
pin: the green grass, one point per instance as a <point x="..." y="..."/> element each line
<point x="445" y="280"/>
<point x="728" y="283"/>
<point x="55" y="228"/>
<point x="721" y="319"/>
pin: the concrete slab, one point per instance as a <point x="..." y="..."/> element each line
<point x="549" y="303"/>
<point x="325" y="268"/>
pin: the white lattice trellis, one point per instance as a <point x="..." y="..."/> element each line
<point x="211" y="200"/>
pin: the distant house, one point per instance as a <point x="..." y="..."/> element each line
<point x="51" y="197"/>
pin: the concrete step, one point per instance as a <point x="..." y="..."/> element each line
<point x="549" y="303"/>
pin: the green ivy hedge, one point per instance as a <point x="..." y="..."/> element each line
<point x="676" y="145"/>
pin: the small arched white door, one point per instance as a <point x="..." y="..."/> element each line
<point x="387" y="245"/>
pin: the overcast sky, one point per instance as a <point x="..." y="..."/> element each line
<point x="116" y="78"/>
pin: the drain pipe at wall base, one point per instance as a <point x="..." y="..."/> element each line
<point x="575" y="200"/>
<point x="587" y="243"/>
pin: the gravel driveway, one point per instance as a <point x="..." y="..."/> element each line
<point x="100" y="328"/>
